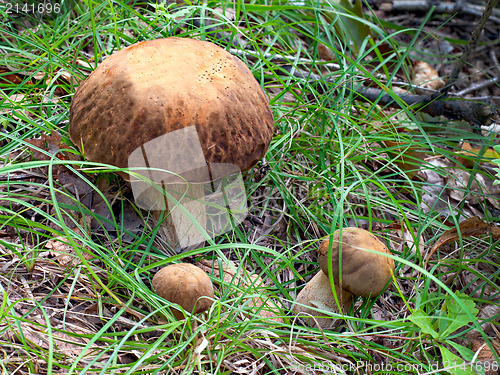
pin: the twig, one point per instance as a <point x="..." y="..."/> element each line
<point x="475" y="113"/>
<point x="495" y="60"/>
<point x="486" y="83"/>
<point x="478" y="86"/>
<point x="253" y="55"/>
<point x="439" y="7"/>
<point x="468" y="50"/>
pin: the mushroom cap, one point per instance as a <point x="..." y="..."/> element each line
<point x="186" y="285"/>
<point x="318" y="293"/>
<point x="363" y="273"/>
<point x="155" y="87"/>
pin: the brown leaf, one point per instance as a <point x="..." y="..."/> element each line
<point x="472" y="154"/>
<point x="473" y="226"/>
<point x="425" y="76"/>
<point x="325" y="53"/>
<point x="484" y="352"/>
<point x="408" y="158"/>
<point x="407" y="236"/>
<point x="52" y="145"/>
<point x="7" y="77"/>
<point x="49" y="143"/>
<point x="64" y="252"/>
<point x="60" y="78"/>
<point x="68" y="342"/>
<point x="13" y="100"/>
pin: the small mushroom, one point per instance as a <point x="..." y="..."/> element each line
<point x="364" y="273"/>
<point x="186" y="285"/>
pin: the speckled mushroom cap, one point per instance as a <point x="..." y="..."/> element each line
<point x="155" y="87"/>
<point x="364" y="273"/>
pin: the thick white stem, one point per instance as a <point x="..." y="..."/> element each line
<point x="184" y="219"/>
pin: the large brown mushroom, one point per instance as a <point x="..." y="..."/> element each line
<point x="186" y="285"/>
<point x="363" y="273"/>
<point x="183" y="113"/>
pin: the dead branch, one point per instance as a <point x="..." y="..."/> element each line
<point x="475" y="113"/>
<point x="471" y="46"/>
<point x="441" y="7"/>
<point x="435" y="104"/>
<point x="478" y="86"/>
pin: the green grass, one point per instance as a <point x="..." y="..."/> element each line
<point x="328" y="167"/>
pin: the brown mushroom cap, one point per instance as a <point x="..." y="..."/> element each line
<point x="158" y="86"/>
<point x="186" y="285"/>
<point x="363" y="273"/>
<point x="318" y="294"/>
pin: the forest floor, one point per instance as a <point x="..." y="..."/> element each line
<point x="77" y="254"/>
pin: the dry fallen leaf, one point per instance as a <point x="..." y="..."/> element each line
<point x="408" y="158"/>
<point x="473" y="226"/>
<point x="8" y="77"/>
<point x="64" y="343"/>
<point x="287" y="98"/>
<point x="484" y="353"/>
<point x="460" y="186"/>
<point x="13" y="109"/>
<point x="61" y="79"/>
<point x="64" y="252"/>
<point x="403" y="235"/>
<point x="49" y="143"/>
<point x="490" y="313"/>
<point x="473" y="152"/>
<point x="325" y="53"/>
<point x="426" y="77"/>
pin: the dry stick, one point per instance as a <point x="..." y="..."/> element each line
<point x="495" y="60"/>
<point x="478" y="86"/>
<point x="473" y="112"/>
<point x="468" y="50"/>
<point x="439" y="7"/>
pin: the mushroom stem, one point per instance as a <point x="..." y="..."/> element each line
<point x="179" y="225"/>
<point x="318" y="294"/>
<point x="177" y="207"/>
